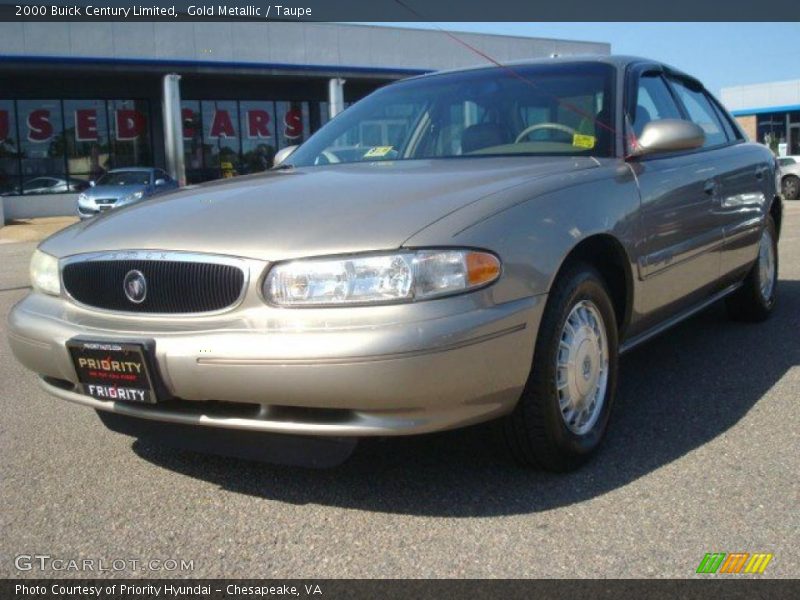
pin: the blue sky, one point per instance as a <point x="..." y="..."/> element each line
<point x="719" y="54"/>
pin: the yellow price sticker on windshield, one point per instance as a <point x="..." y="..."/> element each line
<point x="378" y="151"/>
<point x="583" y="141"/>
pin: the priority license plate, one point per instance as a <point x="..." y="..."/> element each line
<point x="113" y="370"/>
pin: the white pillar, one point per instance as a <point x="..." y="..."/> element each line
<point x="173" y="127"/>
<point x="335" y="96"/>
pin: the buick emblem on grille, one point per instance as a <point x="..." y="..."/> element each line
<point x="135" y="286"/>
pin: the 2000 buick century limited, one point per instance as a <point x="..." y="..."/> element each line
<point x="458" y="247"/>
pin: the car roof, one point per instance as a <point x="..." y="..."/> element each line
<point x="619" y="61"/>
<point x="128" y="169"/>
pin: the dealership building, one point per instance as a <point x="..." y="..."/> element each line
<point x="78" y="99"/>
<point x="768" y="112"/>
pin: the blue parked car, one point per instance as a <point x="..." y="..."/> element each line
<point x="121" y="187"/>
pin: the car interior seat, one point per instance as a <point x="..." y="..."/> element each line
<point x="483" y="135"/>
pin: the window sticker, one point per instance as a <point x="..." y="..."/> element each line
<point x="583" y="141"/>
<point x="378" y="151"/>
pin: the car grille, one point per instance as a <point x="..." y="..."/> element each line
<point x="173" y="286"/>
<point x="105" y="200"/>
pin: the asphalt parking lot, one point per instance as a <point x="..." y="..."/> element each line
<point x="703" y="456"/>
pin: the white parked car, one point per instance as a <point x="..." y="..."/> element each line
<point x="790" y="176"/>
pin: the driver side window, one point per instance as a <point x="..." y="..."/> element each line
<point x="653" y="102"/>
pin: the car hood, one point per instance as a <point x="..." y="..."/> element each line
<point x="113" y="191"/>
<point x="308" y="211"/>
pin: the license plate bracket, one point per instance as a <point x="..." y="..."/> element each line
<point x="115" y="370"/>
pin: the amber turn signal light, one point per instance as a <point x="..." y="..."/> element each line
<point x="482" y="267"/>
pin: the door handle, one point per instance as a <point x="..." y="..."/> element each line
<point x="710" y="187"/>
<point x="760" y="172"/>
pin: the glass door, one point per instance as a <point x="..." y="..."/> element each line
<point x="794" y="140"/>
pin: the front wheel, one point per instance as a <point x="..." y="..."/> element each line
<point x="563" y="413"/>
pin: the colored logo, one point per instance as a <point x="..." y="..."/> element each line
<point x="734" y="562"/>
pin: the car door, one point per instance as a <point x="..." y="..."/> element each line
<point x="679" y="254"/>
<point x="39" y="185"/>
<point x="744" y="181"/>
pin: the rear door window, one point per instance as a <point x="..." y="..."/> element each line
<point x="701" y="112"/>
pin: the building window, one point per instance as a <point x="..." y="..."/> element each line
<point x="258" y="135"/>
<point x="192" y="140"/>
<point x="130" y="122"/>
<point x="221" y="143"/>
<point x="42" y="150"/>
<point x="793" y="146"/>
<point x="225" y="138"/>
<point x="9" y="148"/>
<point x="58" y="146"/>
<point x="772" y="130"/>
<point x="293" y="123"/>
<point x="87" y="136"/>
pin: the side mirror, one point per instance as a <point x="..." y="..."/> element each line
<point x="282" y="154"/>
<point x="160" y="182"/>
<point x="92" y="183"/>
<point x="669" y="135"/>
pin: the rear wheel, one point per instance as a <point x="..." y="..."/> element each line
<point x="790" y="187"/>
<point x="755" y="300"/>
<point x="562" y="415"/>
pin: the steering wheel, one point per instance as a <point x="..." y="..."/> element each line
<point x="329" y="156"/>
<point x="529" y="130"/>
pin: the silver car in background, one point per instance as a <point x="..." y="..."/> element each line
<point x="458" y="247"/>
<point x="790" y="177"/>
<point x="121" y="187"/>
<point x="48" y="185"/>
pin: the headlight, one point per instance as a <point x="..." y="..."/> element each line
<point x="379" y="278"/>
<point x="83" y="199"/>
<point x="44" y="273"/>
<point x="131" y="197"/>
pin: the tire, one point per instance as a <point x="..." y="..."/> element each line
<point x="752" y="302"/>
<point x="790" y="187"/>
<point x="537" y="433"/>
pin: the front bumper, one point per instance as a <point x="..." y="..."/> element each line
<point x="394" y="370"/>
<point x="85" y="212"/>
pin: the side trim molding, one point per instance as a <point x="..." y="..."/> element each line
<point x="643" y="337"/>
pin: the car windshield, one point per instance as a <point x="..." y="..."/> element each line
<point x="553" y="109"/>
<point x="125" y="178"/>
